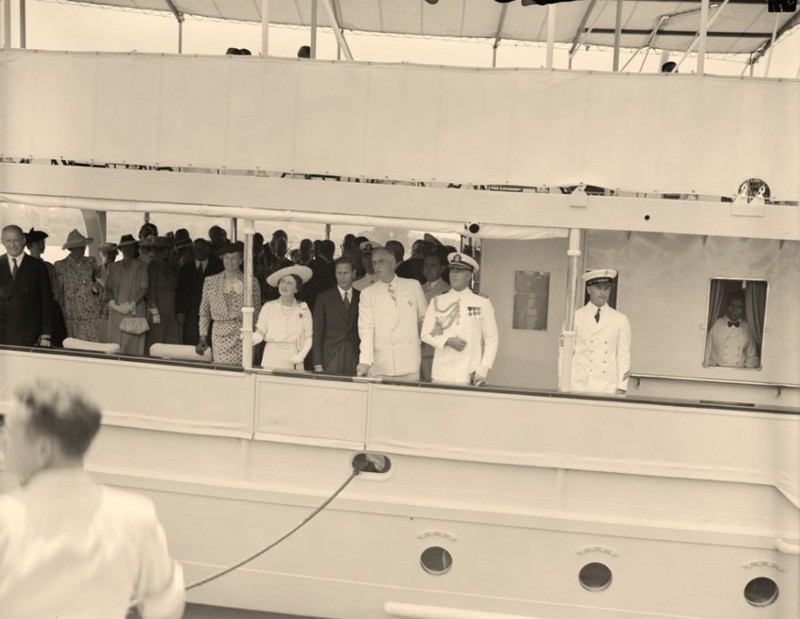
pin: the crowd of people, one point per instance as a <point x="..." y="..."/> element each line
<point x="371" y="311"/>
<point x="357" y="314"/>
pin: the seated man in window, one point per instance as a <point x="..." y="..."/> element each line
<point x="730" y="340"/>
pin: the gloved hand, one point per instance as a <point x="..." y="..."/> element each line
<point x="297" y="359"/>
<point x="257" y="337"/>
<point x="156" y="315"/>
<point x="202" y="346"/>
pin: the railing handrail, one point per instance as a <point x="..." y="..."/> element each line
<point x="726" y="381"/>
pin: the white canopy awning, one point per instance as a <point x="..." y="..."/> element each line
<point x="743" y="26"/>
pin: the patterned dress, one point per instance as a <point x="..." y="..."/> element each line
<point x="222" y="302"/>
<point x="77" y="294"/>
<point x="124" y="282"/>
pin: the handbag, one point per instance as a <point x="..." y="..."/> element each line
<point x="134" y="325"/>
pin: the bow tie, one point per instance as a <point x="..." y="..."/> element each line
<point x="733" y="324"/>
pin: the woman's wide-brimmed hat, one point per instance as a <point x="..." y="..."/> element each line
<point x="125" y="240"/>
<point x="76" y="239"/>
<point x="304" y="273"/>
<point x="34" y="235"/>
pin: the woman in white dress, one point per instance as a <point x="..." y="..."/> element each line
<point x="285" y="323"/>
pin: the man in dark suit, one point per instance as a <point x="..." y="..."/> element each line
<point x="189" y="291"/>
<point x="323" y="269"/>
<point x="335" y="340"/>
<point x="25" y="294"/>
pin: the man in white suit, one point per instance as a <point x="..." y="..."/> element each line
<point x="602" y="357"/>
<point x="389" y="314"/>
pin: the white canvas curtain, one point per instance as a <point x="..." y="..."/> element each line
<point x="646" y="133"/>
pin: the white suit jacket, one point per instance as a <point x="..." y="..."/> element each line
<point x="602" y="357"/>
<point x="73" y="549"/>
<point x="389" y="330"/>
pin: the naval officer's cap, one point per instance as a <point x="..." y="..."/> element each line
<point x="599" y="276"/>
<point x="457" y="260"/>
<point x="368" y="247"/>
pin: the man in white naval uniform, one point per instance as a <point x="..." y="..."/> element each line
<point x="461" y="327"/>
<point x="602" y="357"/>
<point x="389" y="314"/>
<point x="730" y="340"/>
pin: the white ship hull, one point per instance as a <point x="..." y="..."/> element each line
<point x="685" y="505"/>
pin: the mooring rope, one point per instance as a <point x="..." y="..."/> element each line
<point x="286" y="535"/>
<point x="283" y="537"/>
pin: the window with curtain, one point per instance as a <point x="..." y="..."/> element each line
<point x="735" y="328"/>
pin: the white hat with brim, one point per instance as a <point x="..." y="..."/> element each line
<point x="304" y="273"/>
<point x="599" y="276"/>
<point x="369" y="246"/>
<point x="75" y="239"/>
<point x="457" y="260"/>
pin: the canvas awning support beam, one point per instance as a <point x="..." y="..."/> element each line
<point x="248" y="307"/>
<point x="706" y="34"/>
<point x="617" y="35"/>
<point x="759" y="53"/>
<point x="23" y="26"/>
<point x="579" y="32"/>
<point x="264" y="28"/>
<point x="7" y="24"/>
<point x="772" y="45"/>
<point x="337" y="31"/>
<point x="180" y="19"/>
<point x="701" y="37"/>
<point x="551" y="34"/>
<point x="497" y="38"/>
<point x="313" y="42"/>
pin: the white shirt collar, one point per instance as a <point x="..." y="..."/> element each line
<point x="349" y="291"/>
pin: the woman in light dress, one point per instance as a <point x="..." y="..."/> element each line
<point x="285" y="323"/>
<point x="222" y="302"/>
<point x="126" y="287"/>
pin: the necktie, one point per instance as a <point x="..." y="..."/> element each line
<point x="347" y="299"/>
<point x="14" y="269"/>
<point x="597" y="315"/>
<point x="391" y="293"/>
<point x="200" y="268"/>
<point x="733" y="324"/>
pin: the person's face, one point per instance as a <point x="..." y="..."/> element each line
<point x="366" y="258"/>
<point x="460" y="278"/>
<point x="201" y="251"/>
<point x="735" y="309"/>
<point x="287" y="286"/>
<point x="25" y="453"/>
<point x="383" y="264"/>
<point x="14" y="242"/>
<point x="232" y="261"/>
<point x="432" y="268"/>
<point x="77" y="252"/>
<point x="128" y="251"/>
<point x="344" y="275"/>
<point x="37" y="248"/>
<point x="599" y="294"/>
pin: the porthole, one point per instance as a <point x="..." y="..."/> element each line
<point x="595" y="576"/>
<point x="436" y="560"/>
<point x="761" y="591"/>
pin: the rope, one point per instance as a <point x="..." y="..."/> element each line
<point x="255" y="555"/>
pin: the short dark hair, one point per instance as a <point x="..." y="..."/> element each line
<point x="736" y="295"/>
<point x="327" y="248"/>
<point x="61" y="412"/>
<point x="344" y="260"/>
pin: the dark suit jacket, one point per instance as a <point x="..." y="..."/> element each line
<point x="335" y="340"/>
<point x="25" y="302"/>
<point x="189" y="292"/>
<point x="323" y="278"/>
